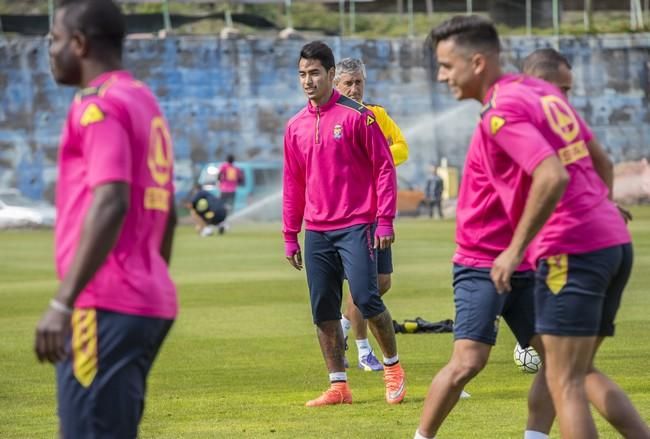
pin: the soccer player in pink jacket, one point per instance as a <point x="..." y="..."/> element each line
<point x="339" y="178"/>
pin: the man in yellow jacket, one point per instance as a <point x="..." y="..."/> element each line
<point x="350" y="80"/>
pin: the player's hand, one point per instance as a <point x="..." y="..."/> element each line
<point x="384" y="235"/>
<point x="51" y="334"/>
<point x="383" y="242"/>
<point x="627" y="216"/>
<point x="296" y="260"/>
<point x="503" y="267"/>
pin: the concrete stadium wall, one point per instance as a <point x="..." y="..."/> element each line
<point x="223" y="96"/>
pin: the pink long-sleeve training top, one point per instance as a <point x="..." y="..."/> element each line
<point x="338" y="170"/>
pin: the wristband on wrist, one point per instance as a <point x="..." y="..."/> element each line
<point x="58" y="306"/>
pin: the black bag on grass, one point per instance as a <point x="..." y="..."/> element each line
<point x="419" y="325"/>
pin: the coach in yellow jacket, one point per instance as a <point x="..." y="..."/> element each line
<point x="350" y="80"/>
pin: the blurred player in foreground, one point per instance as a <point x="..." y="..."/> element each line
<point x="551" y="66"/>
<point x="116" y="301"/>
<point x="485" y="222"/>
<point x="532" y="146"/>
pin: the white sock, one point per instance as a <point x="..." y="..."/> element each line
<point x="363" y="346"/>
<point x="390" y="361"/>
<point x="346" y="325"/>
<point x="207" y="231"/>
<point x="338" y="377"/>
<point x="420" y="436"/>
<point x="530" y="434"/>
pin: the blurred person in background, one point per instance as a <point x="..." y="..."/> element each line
<point x="229" y="177"/>
<point x="433" y="192"/>
<point x="207" y="211"/>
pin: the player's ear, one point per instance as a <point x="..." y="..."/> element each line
<point x="479" y="62"/>
<point x="330" y="74"/>
<point x="79" y="44"/>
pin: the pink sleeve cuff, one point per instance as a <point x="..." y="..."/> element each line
<point x="291" y="248"/>
<point x="290" y="237"/>
<point x="384" y="230"/>
<point x="384" y="221"/>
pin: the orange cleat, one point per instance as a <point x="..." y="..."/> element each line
<point x="395" y="383"/>
<point x="338" y="393"/>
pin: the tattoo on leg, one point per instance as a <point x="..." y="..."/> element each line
<point x="330" y="338"/>
<point x="382" y="328"/>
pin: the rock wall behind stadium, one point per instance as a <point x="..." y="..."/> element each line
<point x="223" y="96"/>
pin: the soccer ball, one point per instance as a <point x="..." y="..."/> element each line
<point x="527" y="360"/>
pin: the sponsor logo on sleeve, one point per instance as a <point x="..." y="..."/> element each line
<point x="496" y="123"/>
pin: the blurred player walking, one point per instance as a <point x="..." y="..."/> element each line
<point x="115" y="223"/>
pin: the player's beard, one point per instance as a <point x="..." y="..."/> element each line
<point x="66" y="68"/>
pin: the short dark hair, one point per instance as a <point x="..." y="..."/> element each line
<point x="467" y="30"/>
<point x="544" y="63"/>
<point x="320" y="51"/>
<point x="100" y="21"/>
<point x="230" y="158"/>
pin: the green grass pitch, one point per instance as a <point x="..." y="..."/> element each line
<point x="242" y="358"/>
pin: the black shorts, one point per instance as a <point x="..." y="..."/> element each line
<point x="101" y="386"/>
<point x="579" y="295"/>
<point x="479" y="307"/>
<point x="329" y="257"/>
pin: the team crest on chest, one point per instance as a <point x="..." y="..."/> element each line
<point x="338" y="131"/>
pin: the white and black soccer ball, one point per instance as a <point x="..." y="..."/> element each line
<point x="527" y="360"/>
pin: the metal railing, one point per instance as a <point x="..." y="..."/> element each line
<point x="639" y="12"/>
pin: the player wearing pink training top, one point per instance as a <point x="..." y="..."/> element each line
<point x="229" y="176"/>
<point x="553" y="67"/>
<point x="528" y="135"/>
<point x="487" y="212"/>
<point x="114" y="230"/>
<point x="340" y="179"/>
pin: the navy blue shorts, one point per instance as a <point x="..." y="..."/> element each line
<point x="385" y="261"/>
<point x="479" y="307"/>
<point x="329" y="257"/>
<point x="579" y="295"/>
<point x="101" y="386"/>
